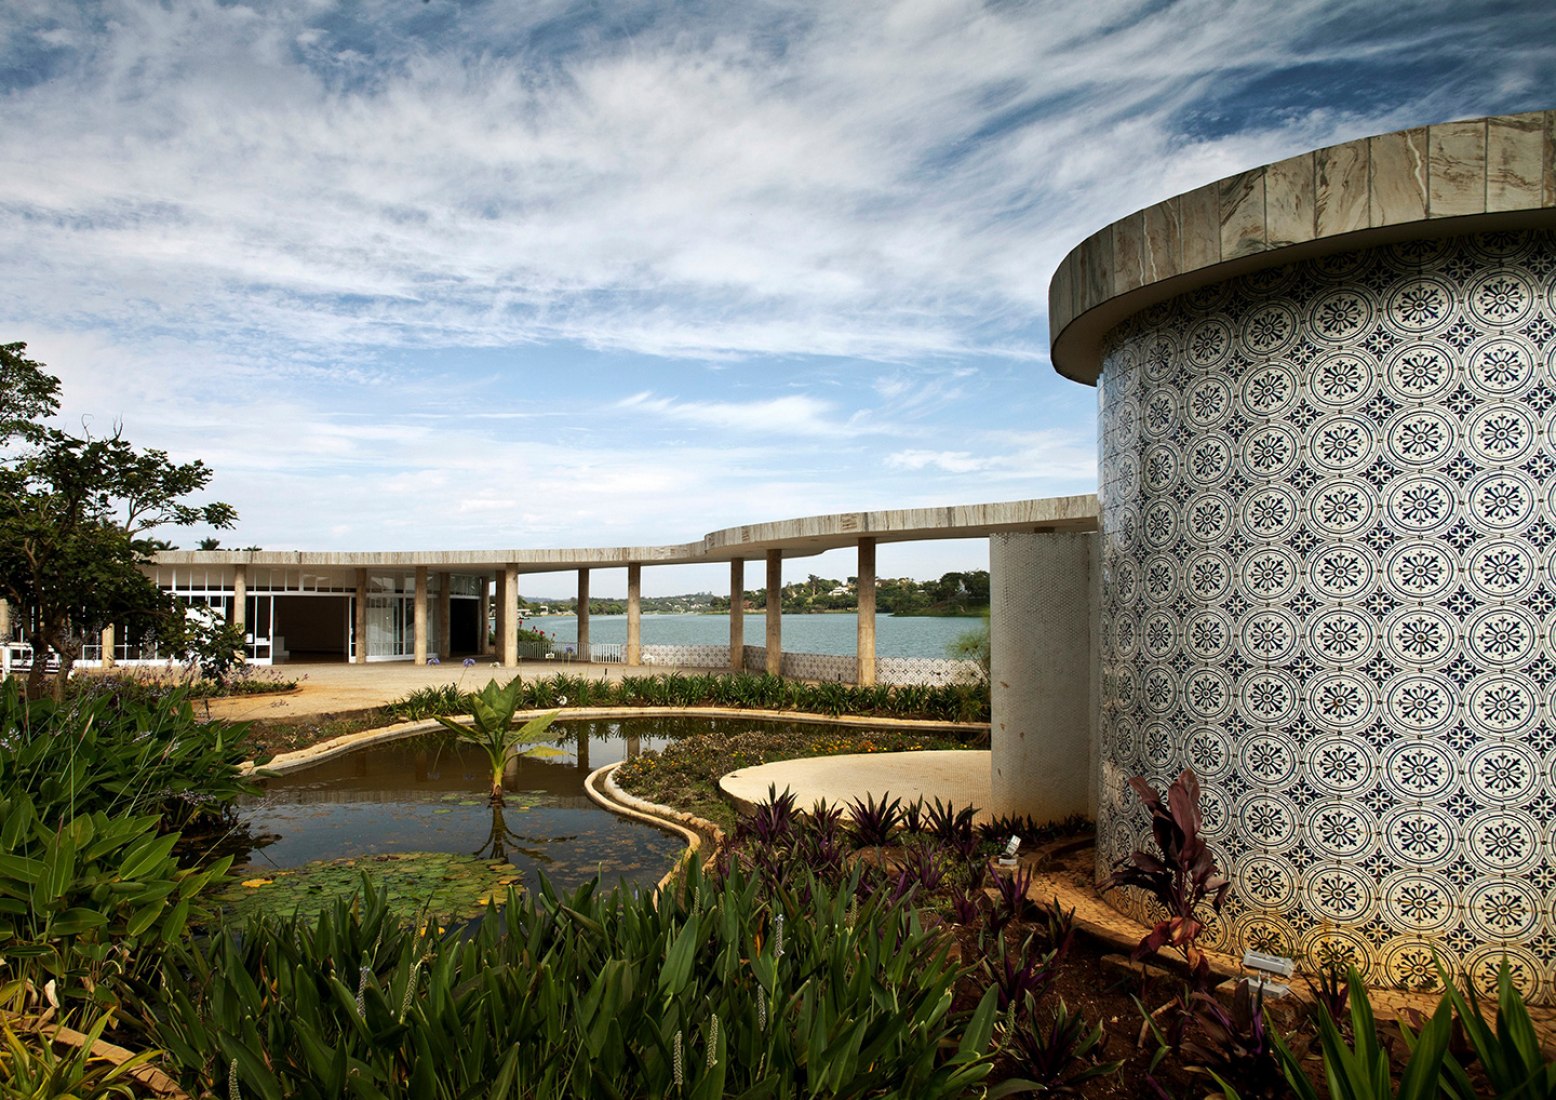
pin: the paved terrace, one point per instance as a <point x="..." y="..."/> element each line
<point x="771" y="542"/>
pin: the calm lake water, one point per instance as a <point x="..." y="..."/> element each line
<point x="911" y="636"/>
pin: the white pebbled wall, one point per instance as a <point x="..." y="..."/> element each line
<point x="1043" y="690"/>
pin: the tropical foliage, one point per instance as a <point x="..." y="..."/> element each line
<point x="75" y="513"/>
<point x="943" y="703"/>
<point x="1181" y="875"/>
<point x="723" y="988"/>
<point x="490" y="728"/>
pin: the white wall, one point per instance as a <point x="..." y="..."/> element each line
<point x="1041" y="622"/>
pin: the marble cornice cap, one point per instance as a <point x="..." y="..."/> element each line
<point x="1452" y="177"/>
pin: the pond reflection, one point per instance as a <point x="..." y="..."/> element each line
<point x="428" y="794"/>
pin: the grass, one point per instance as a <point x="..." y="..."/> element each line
<point x="278" y="735"/>
<point x="685" y="774"/>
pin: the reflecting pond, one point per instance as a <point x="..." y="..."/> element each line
<point x="426" y="794"/>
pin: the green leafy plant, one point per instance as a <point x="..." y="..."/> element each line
<point x="1509" y="1051"/>
<point x="87" y="902"/>
<point x="129" y="753"/>
<point x="429" y="702"/>
<point x="31" y="1069"/>
<point x="719" y="987"/>
<point x="1359" y="1069"/>
<point x="199" y="635"/>
<point x="491" y="729"/>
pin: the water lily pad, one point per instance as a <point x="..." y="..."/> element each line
<point x="434" y="885"/>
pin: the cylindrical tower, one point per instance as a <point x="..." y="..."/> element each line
<point x="1328" y="539"/>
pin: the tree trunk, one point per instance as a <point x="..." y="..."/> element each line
<point x="40" y="662"/>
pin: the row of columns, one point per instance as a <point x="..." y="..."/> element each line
<point x="507" y="595"/>
<point x="508" y="600"/>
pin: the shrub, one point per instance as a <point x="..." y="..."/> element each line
<point x="717" y="989"/>
<point x="1181" y="875"/>
<point x="128" y="754"/>
<point x="88" y="902"/>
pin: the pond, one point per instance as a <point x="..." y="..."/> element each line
<point x="416" y="811"/>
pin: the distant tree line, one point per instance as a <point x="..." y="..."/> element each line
<point x="953" y="594"/>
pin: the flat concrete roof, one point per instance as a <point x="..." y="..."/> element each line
<point x="1453" y="177"/>
<point x="794" y="537"/>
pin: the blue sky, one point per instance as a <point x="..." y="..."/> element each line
<point x="470" y="275"/>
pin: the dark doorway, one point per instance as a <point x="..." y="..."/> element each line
<point x="311" y="628"/>
<point x="463" y="635"/>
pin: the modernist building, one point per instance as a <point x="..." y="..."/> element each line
<point x="1320" y="570"/>
<point x="416" y="605"/>
<point x="1327" y="391"/>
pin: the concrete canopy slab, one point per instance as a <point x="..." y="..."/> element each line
<point x="792" y="537"/>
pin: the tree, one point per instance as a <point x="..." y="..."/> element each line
<point x="74" y="512"/>
<point x="28" y="395"/>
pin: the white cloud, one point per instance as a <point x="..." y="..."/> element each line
<point x="794" y="415"/>
<point x="266" y="235"/>
<point x="877" y="180"/>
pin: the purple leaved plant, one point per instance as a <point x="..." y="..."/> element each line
<point x="1181" y="875"/>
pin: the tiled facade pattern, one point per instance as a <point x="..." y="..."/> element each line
<point x="1328" y="515"/>
<point x="687" y="656"/>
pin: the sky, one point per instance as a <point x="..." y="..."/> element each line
<point x="479" y="275"/>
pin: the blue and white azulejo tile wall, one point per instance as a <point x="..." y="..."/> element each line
<point x="1328" y="515"/>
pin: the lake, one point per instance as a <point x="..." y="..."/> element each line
<point x="909" y="636"/>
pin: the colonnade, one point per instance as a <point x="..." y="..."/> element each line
<point x="506" y="591"/>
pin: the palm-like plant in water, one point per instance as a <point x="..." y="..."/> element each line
<point x="491" y="728"/>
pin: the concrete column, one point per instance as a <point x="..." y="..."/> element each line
<point x="634" y="614"/>
<point x="107" y="643"/>
<point x="499" y="619"/>
<point x="775" y="612"/>
<point x="737" y="614"/>
<point x="445" y="615"/>
<point x="5" y="621"/>
<point x="583" y="617"/>
<point x="865" y="650"/>
<point x="510" y="616"/>
<point x="240" y="597"/>
<point x="420" y="613"/>
<point x="483" y="640"/>
<point x="360" y="624"/>
<point x="1042" y="692"/>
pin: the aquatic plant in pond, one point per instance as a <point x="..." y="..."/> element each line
<point x="491" y="729"/>
<point x="439" y="886"/>
<point x="427" y="794"/>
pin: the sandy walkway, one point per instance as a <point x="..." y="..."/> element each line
<point x="332" y="688"/>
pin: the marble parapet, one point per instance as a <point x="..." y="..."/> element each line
<point x="1453" y="177"/>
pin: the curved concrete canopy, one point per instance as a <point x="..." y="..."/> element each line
<point x="1453" y="177"/>
<point x="793" y="537"/>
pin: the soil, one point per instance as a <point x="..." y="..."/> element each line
<point x="1100" y="985"/>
